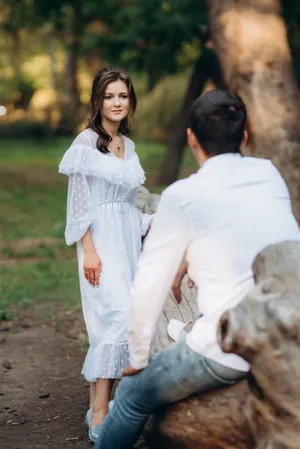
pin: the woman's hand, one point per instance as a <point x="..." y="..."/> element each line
<point x="92" y="268"/>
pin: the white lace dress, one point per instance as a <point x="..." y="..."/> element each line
<point x="101" y="195"/>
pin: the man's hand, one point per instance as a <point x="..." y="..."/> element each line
<point x="182" y="271"/>
<point x="131" y="371"/>
<point x="178" y="279"/>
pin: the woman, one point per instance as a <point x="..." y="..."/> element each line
<point x="104" y="175"/>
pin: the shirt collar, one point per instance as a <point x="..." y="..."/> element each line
<point x="220" y="159"/>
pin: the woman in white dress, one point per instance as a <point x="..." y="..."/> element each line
<point x="104" y="174"/>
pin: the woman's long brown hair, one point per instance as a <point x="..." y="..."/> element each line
<point x="103" y="78"/>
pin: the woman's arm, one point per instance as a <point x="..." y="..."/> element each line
<point x="92" y="265"/>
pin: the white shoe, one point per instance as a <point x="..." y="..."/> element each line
<point x="110" y="406"/>
<point x="88" y="417"/>
<point x="176" y="329"/>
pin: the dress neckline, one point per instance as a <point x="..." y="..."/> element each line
<point x="125" y="150"/>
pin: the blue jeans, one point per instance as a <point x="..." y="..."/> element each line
<point x="173" y="374"/>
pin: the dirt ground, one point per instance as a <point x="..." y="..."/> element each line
<point x="43" y="398"/>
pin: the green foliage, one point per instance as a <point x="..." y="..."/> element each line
<point x="24" y="91"/>
<point x="150" y="36"/>
<point x="156" y="37"/>
<point x="26" y="128"/>
<point x="16" y="15"/>
<point x="18" y="90"/>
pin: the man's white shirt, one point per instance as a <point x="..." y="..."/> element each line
<point x="222" y="217"/>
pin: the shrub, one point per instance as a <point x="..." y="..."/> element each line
<point x="157" y="109"/>
<point x="25" y="128"/>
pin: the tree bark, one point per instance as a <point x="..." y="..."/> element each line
<point x="250" y="39"/>
<point x="206" y="67"/>
<point x="214" y="420"/>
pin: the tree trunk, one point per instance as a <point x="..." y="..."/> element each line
<point x="52" y="47"/>
<point x="16" y="55"/>
<point x="206" y="67"/>
<point x="250" y="39"/>
<point x="264" y="329"/>
<point x="70" y="114"/>
<point x="153" y="71"/>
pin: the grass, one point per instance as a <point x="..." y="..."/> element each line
<point x="36" y="267"/>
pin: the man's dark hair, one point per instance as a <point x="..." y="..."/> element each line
<point x="218" y="119"/>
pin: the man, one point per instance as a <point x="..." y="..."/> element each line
<point x="221" y="218"/>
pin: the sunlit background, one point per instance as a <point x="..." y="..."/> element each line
<point x="49" y="54"/>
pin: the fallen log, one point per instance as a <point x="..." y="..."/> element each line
<point x="264" y="411"/>
<point x="211" y="420"/>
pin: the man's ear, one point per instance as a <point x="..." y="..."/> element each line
<point x="245" y="140"/>
<point x="191" y="138"/>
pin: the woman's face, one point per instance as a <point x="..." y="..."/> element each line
<point x="116" y="102"/>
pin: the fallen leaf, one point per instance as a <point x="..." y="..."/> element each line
<point x="44" y="395"/>
<point x="7" y="364"/>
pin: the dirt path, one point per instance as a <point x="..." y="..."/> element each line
<point x="43" y="398"/>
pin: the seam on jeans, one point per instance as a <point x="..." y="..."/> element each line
<point x="215" y="375"/>
<point x="107" y="430"/>
<point x="133" y="387"/>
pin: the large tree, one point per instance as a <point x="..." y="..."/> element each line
<point x="206" y="68"/>
<point x="250" y="39"/>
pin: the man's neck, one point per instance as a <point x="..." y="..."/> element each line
<point x="200" y="156"/>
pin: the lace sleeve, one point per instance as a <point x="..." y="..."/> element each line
<point x="79" y="208"/>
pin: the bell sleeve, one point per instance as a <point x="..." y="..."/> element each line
<point x="80" y="208"/>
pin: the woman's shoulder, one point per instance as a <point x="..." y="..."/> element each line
<point x="130" y="147"/>
<point x="128" y="141"/>
<point x="84" y="158"/>
<point x="86" y="138"/>
<point x="81" y="156"/>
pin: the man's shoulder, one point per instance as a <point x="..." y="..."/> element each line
<point x="250" y="160"/>
<point x="182" y="187"/>
<point x="264" y="167"/>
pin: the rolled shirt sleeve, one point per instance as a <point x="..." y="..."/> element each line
<point x="163" y="252"/>
<point x="79" y="208"/>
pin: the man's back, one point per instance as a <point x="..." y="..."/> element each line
<point x="221" y="218"/>
<point x="235" y="207"/>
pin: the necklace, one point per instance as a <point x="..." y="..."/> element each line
<point x="118" y="148"/>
